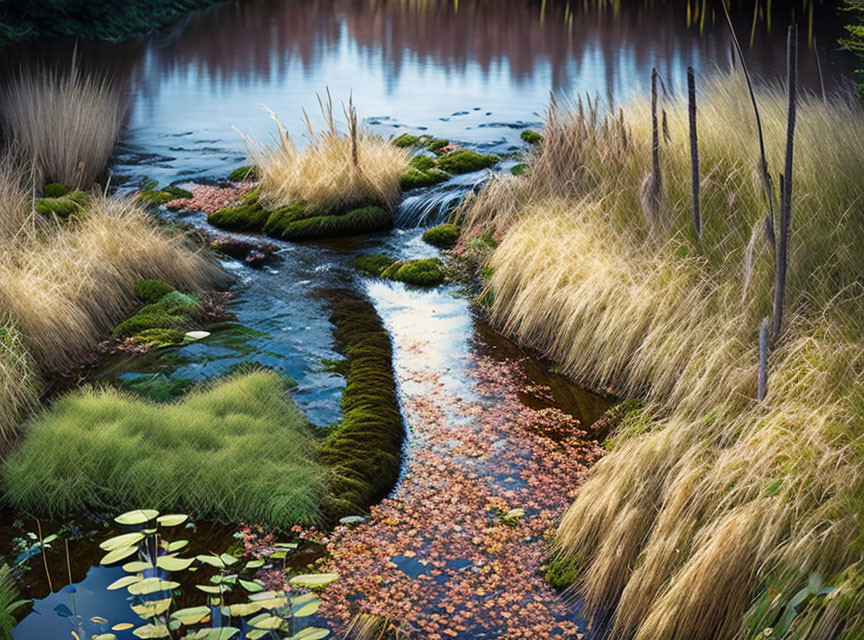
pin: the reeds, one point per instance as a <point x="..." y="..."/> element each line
<point x="237" y="450"/>
<point x="64" y="122"/>
<point x="66" y="286"/>
<point x="335" y="171"/>
<point x="680" y="529"/>
<point x="9" y="602"/>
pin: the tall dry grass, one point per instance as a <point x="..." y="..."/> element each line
<point x="718" y="500"/>
<point x="334" y="171"/>
<point x="65" y="122"/>
<point x="65" y="285"/>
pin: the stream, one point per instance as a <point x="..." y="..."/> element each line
<point x="491" y="427"/>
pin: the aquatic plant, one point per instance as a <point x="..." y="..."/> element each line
<point x="235" y="450"/>
<point x="335" y="171"/>
<point x="465" y="161"/>
<point x="65" y="286"/>
<point x="710" y="500"/>
<point x="9" y="602"/>
<point x="363" y="451"/>
<point x="444" y="236"/>
<point x="65" y="123"/>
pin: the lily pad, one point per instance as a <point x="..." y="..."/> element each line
<point x="139" y="516"/>
<point x="192" y="615"/>
<point x="124" y="540"/>
<point x="172" y="519"/>
<point x="310" y="633"/>
<point x="312" y="580"/>
<point x="125" y="581"/>
<point x="152" y="631"/>
<point x="118" y="554"/>
<point x="172" y="563"/>
<point x="152" y="585"/>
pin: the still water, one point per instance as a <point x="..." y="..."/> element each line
<point x="475" y="72"/>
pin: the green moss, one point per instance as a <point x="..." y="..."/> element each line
<point x="422" y="163"/>
<point x="426" y="272"/>
<point x="363" y="451"/>
<point x="160" y="337"/>
<point x="152" y="290"/>
<point x="531" y="137"/>
<point x="519" y="169"/>
<point x="444" y="236"/>
<point x="283" y="216"/>
<point x="248" y="216"/>
<point x="237" y="450"/>
<point x="372" y="265"/>
<point x="164" y="195"/>
<point x="62" y="206"/>
<point x="147" y="318"/>
<point x="246" y="172"/>
<point x="435" y="144"/>
<point x="356" y="222"/>
<point x="415" y="178"/>
<point x="177" y="303"/>
<point x="465" y="161"/>
<point x="406" y="140"/>
<point x="560" y="574"/>
<point x="484" y="242"/>
<point x="54" y="190"/>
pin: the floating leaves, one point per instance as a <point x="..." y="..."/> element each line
<point x="117" y="555"/>
<point x="173" y="563"/>
<point x="314" y="580"/>
<point x="137" y="517"/>
<point x="124" y="540"/>
<point x="192" y="615"/>
<point x="172" y="520"/>
<point x="152" y="585"/>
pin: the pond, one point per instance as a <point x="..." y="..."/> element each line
<point x="471" y="71"/>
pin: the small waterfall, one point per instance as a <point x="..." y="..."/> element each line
<point x="428" y="207"/>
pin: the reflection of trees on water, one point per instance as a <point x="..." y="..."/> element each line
<point x="607" y="42"/>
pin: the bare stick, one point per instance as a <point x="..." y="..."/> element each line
<point x="44" y="558"/>
<point x="763" y="359"/>
<point x="786" y="190"/>
<point x="694" y="151"/>
<point x="655" y="144"/>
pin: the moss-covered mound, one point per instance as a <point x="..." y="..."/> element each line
<point x="363" y="451"/>
<point x="62" y="206"/>
<point x="55" y="190"/>
<point x="405" y="140"/>
<point x="160" y="323"/>
<point x="415" y="178"/>
<point x="444" y="236"/>
<point x="152" y="290"/>
<point x="244" y="173"/>
<point x="164" y="195"/>
<point x="423" y="163"/>
<point x="425" y="272"/>
<point x="354" y="222"/>
<point x="531" y="137"/>
<point x="465" y="161"/>
<point x="237" y="451"/>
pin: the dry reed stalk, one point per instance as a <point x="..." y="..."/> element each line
<point x="694" y="151"/>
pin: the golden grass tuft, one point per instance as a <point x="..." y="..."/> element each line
<point x="680" y="531"/>
<point x="65" y="123"/>
<point x="66" y="285"/>
<point x="335" y="171"/>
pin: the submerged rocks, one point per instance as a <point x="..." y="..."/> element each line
<point x="465" y="161"/>
<point x="444" y="236"/>
<point x="253" y="253"/>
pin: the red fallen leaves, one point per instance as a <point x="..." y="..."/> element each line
<point x="438" y="555"/>
<point x="207" y="198"/>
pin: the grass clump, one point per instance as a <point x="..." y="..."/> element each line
<point x="465" y="161"/>
<point x="425" y="272"/>
<point x="373" y="265"/>
<point x="55" y="190"/>
<point x="152" y="290"/>
<point x="245" y="173"/>
<point x="164" y="195"/>
<point x="405" y="140"/>
<point x="19" y="383"/>
<point x="711" y="498"/>
<point x="236" y="451"/>
<point x="354" y="222"/>
<point x="335" y="171"/>
<point x="9" y="602"/>
<point x="363" y="451"/>
<point x="415" y="178"/>
<point x="444" y="236"/>
<point x="531" y="137"/>
<point x="66" y="123"/>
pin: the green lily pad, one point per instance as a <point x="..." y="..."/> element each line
<point x="139" y="516"/>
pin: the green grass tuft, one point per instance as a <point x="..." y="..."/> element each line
<point x="236" y="451"/>
<point x="444" y="236"/>
<point x="465" y="161"/>
<point x="363" y="451"/>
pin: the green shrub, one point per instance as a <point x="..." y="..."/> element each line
<point x="160" y="337"/>
<point x="236" y="451"/>
<point x="426" y="272"/>
<point x="422" y="163"/>
<point x="354" y="222"/>
<point x="465" y="161"/>
<point x="152" y="290"/>
<point x="164" y="195"/>
<point x="406" y="140"/>
<point x="372" y="265"/>
<point x="9" y="602"/>
<point x="54" y="190"/>
<point x="531" y="137"/>
<point x="415" y="178"/>
<point x="244" y="173"/>
<point x="363" y="451"/>
<point x="444" y="236"/>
